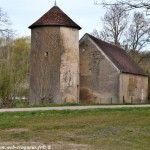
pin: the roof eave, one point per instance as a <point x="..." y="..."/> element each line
<point x="57" y="25"/>
<point x="140" y="74"/>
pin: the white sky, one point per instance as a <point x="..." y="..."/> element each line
<point x="23" y="13"/>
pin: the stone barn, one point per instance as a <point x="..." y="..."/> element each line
<point x="66" y="70"/>
<point x="108" y="74"/>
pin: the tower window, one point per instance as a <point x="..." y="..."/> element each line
<point x="83" y="50"/>
<point x="46" y="54"/>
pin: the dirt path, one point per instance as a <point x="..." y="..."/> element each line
<point x="72" y="108"/>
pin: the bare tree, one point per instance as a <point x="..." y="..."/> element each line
<point x="114" y="24"/>
<point x="138" y="35"/>
<point x="96" y="33"/>
<point x="5" y="23"/>
<point x="128" y="4"/>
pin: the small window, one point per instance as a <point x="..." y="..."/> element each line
<point x="83" y="50"/>
<point x="46" y="54"/>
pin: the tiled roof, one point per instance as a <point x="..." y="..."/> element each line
<point x="55" y="17"/>
<point x="119" y="57"/>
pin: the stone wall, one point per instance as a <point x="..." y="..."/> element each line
<point x="133" y="88"/>
<point x="69" y="69"/>
<point x="53" y="65"/>
<point x="45" y="60"/>
<point x="99" y="79"/>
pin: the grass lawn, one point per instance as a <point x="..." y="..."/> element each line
<point x="20" y="104"/>
<point x="101" y="129"/>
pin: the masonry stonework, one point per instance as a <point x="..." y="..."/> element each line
<point x="45" y="60"/>
<point x="98" y="77"/>
<point x="69" y="68"/>
<point x="54" y="70"/>
<point x="109" y="75"/>
<point x="133" y="88"/>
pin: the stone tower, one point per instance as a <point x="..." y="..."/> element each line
<point x="54" y="59"/>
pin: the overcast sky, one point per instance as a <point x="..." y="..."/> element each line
<point x="23" y="13"/>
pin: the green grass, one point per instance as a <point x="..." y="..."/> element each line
<point x="21" y="105"/>
<point x="106" y="129"/>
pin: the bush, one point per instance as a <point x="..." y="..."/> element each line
<point x="5" y="86"/>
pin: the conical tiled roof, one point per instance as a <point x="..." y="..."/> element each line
<point x="55" y="17"/>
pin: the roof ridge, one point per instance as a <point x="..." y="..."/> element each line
<point x="105" y="41"/>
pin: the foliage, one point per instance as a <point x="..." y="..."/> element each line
<point x="14" y="69"/>
<point x="5" y="85"/>
<point x="19" y="58"/>
<point x="149" y="87"/>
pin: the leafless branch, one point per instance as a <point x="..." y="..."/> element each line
<point x="128" y="4"/>
<point x="5" y="24"/>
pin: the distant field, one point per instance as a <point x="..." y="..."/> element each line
<point x="98" y="129"/>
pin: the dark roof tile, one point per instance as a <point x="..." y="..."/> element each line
<point x="55" y="17"/>
<point x="119" y="57"/>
